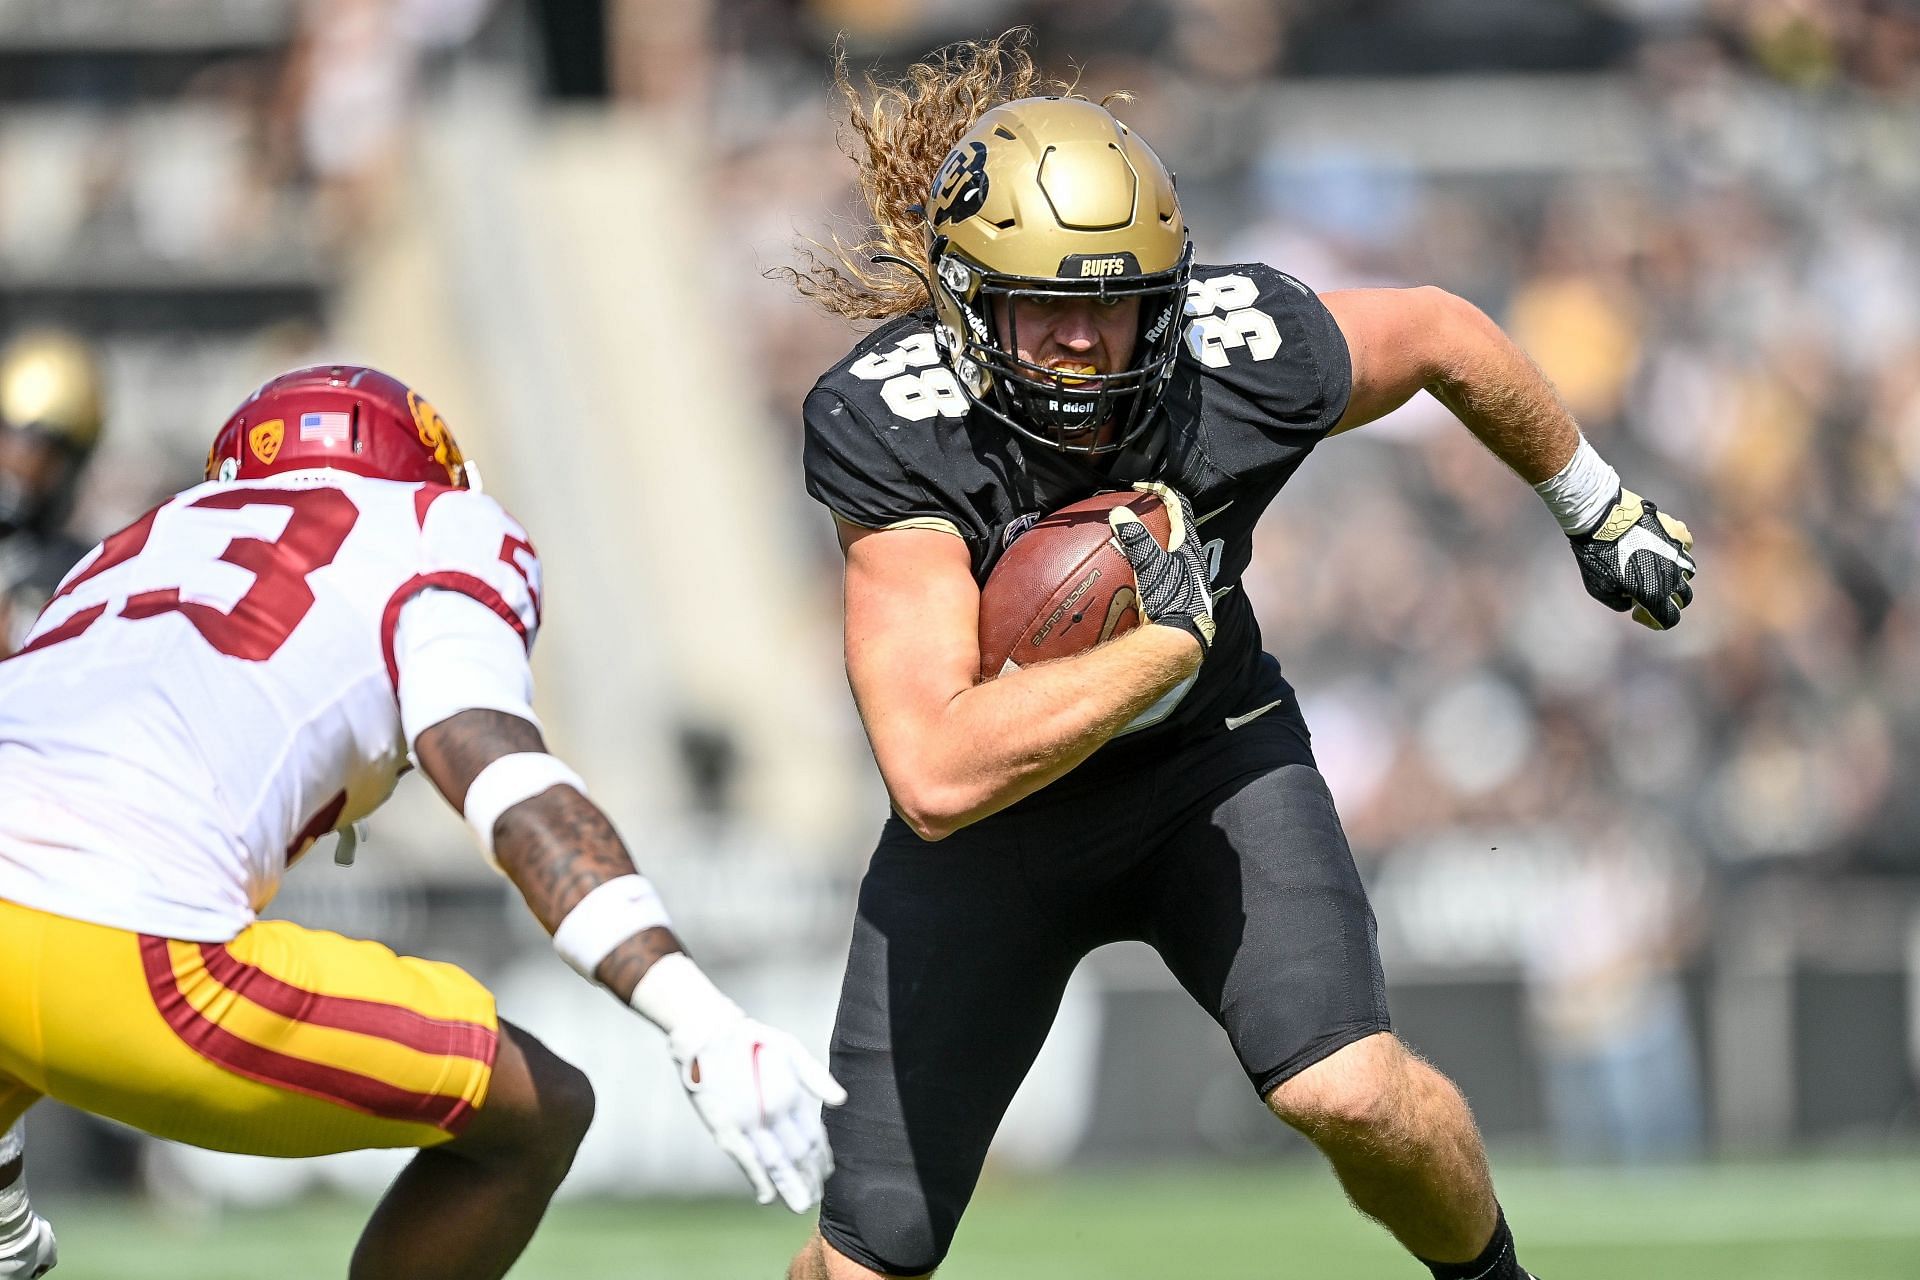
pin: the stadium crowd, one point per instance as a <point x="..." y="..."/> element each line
<point x="1734" y="317"/>
<point x="1737" y="323"/>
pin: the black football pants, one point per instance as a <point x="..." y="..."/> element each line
<point x="1224" y="854"/>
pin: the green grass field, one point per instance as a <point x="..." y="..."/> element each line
<point x="1805" y="1221"/>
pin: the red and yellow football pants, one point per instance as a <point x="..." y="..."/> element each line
<point x="282" y="1042"/>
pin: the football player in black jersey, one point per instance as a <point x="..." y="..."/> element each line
<point x="1048" y="336"/>
<point x="50" y="419"/>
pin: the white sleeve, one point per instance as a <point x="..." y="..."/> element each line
<point x="455" y="654"/>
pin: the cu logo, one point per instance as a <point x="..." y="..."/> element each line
<point x="960" y="188"/>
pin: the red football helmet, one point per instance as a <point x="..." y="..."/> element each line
<point x="341" y="416"/>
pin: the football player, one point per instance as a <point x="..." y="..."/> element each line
<point x="246" y="668"/>
<point x="1048" y="336"/>
<point x="50" y="418"/>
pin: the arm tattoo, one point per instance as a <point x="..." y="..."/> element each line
<point x="620" y="972"/>
<point x="453" y="752"/>
<point x="556" y="847"/>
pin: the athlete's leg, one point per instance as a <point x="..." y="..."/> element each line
<point x="818" y="1260"/>
<point x="1260" y="912"/>
<point x="1402" y="1142"/>
<point x="291" y="1042"/>
<point x="467" y="1209"/>
<point x="953" y="979"/>
<point x="27" y="1246"/>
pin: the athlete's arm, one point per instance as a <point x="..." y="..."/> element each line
<point x="951" y="750"/>
<point x="1406" y="340"/>
<point x="464" y="690"/>
<point x="556" y="847"/>
<point x="1631" y="555"/>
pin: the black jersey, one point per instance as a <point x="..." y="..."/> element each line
<point x="31" y="569"/>
<point x="1264" y="374"/>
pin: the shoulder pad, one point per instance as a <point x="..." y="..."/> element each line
<point x="469" y="543"/>
<point x="896" y="375"/>
<point x="1271" y="339"/>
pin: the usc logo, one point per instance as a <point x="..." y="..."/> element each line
<point x="435" y="434"/>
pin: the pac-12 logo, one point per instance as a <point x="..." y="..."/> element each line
<point x="960" y="188"/>
<point x="1017" y="526"/>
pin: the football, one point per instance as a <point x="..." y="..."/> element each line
<point x="1063" y="586"/>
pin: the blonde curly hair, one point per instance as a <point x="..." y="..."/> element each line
<point x="899" y="133"/>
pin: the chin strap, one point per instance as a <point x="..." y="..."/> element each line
<point x="919" y="273"/>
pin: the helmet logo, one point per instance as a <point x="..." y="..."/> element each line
<point x="1099" y="266"/>
<point x="960" y="188"/>
<point x="265" y="440"/>
<point x="229" y="468"/>
<point x="434" y="434"/>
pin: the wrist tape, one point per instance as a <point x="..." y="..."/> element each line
<point x="1580" y="493"/>
<point x="612" y="912"/>
<point x="507" y="781"/>
<point x="675" y="996"/>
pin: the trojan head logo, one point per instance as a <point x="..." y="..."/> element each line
<point x="435" y="435"/>
<point x="265" y="440"/>
<point x="960" y="188"/>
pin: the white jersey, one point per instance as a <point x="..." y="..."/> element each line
<point x="216" y="687"/>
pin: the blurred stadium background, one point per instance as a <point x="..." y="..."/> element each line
<point x="1653" y="900"/>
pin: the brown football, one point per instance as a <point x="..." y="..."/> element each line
<point x="1063" y="586"/>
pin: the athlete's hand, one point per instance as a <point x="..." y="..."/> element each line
<point x="1638" y="558"/>
<point x="1175" y="589"/>
<point x="759" y="1093"/>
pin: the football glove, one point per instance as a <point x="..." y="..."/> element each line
<point x="1173" y="581"/>
<point x="759" y="1093"/>
<point x="1638" y="557"/>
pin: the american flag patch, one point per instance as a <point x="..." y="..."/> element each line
<point x="328" y="428"/>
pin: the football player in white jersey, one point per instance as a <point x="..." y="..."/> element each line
<point x="250" y="666"/>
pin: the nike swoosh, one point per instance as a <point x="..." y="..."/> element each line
<point x="1234" y="722"/>
<point x="1211" y="514"/>
<point x="1639" y="538"/>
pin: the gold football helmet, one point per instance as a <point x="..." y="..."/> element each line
<point x="50" y="411"/>
<point x="1053" y="197"/>
<point x="50" y="384"/>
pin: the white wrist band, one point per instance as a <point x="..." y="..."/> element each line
<point x="1582" y="490"/>
<point x="506" y="782"/>
<point x="674" y="995"/>
<point x="612" y="912"/>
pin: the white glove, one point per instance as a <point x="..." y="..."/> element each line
<point x="755" y="1088"/>
<point x="759" y="1094"/>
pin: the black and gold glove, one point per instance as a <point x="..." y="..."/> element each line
<point x="1173" y="581"/>
<point x="1638" y="557"/>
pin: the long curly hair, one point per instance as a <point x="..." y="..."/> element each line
<point x="899" y="132"/>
